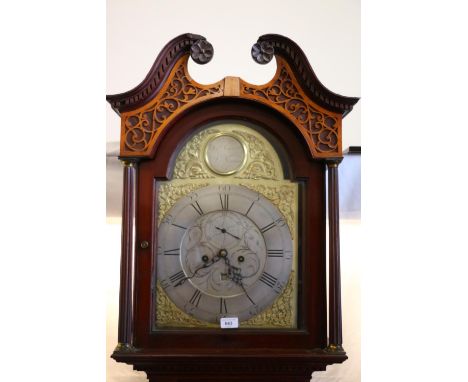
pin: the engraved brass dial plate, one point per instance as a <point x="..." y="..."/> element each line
<point x="256" y="167"/>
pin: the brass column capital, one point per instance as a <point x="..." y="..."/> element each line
<point x="333" y="162"/>
<point x="129" y="162"/>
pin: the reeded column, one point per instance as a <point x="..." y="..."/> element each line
<point x="335" y="336"/>
<point x="125" y="335"/>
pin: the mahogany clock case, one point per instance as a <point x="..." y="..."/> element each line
<point x="302" y="120"/>
<point x="299" y="167"/>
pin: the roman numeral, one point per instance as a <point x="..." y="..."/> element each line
<point x="267" y="227"/>
<point x="246" y="295"/>
<point x="197" y="208"/>
<point x="222" y="306"/>
<point x="224" y="199"/>
<point x="268" y="279"/>
<point x="280" y="222"/>
<point x="249" y="209"/>
<point x="179" y="226"/>
<point x="165" y="284"/>
<point x="177" y="277"/>
<point x="275" y="253"/>
<point x="172" y="252"/>
<point x="195" y="300"/>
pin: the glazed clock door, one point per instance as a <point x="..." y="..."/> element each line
<point x="226" y="237"/>
<point x="236" y="229"/>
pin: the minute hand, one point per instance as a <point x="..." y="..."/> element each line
<point x="223" y="230"/>
<point x="236" y="277"/>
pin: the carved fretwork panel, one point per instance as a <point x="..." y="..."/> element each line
<point x="141" y="127"/>
<point x="320" y="128"/>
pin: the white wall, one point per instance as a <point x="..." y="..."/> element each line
<point x="329" y="33"/>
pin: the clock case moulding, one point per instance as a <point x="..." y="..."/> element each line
<point x="294" y="107"/>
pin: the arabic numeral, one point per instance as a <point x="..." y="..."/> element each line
<point x="167" y="219"/>
<point x="278" y="286"/>
<point x="254" y="310"/>
<point x="280" y="222"/>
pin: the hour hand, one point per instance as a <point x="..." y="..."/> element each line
<point x="203" y="266"/>
<point x="223" y="230"/>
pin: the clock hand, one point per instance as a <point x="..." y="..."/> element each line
<point x="243" y="288"/>
<point x="234" y="273"/>
<point x="230" y="234"/>
<point x="236" y="276"/>
<point x="205" y="265"/>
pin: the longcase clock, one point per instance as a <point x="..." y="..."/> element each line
<point x="223" y="269"/>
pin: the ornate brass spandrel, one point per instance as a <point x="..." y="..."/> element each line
<point x="262" y="161"/>
<point x="189" y="163"/>
<point x="321" y="129"/>
<point x="282" y="314"/>
<point x="169" y="315"/>
<point x="169" y="193"/>
<point x="283" y="195"/>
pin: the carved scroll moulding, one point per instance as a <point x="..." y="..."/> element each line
<point x="142" y="127"/>
<point x="320" y="128"/>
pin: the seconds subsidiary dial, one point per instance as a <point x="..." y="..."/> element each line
<point x="225" y="154"/>
<point x="223" y="251"/>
